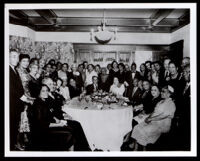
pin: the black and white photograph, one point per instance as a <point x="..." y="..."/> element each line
<point x="100" y="80"/>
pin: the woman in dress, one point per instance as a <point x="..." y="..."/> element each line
<point x="174" y="79"/>
<point x="155" y="92"/>
<point x="146" y="98"/>
<point x="41" y="71"/>
<point x="90" y="72"/>
<point x="24" y="128"/>
<point x="114" y="72"/>
<point x="117" y="88"/>
<point x="34" y="83"/>
<point x="74" y="90"/>
<point x="63" y="89"/>
<point x="158" y="122"/>
<point x="97" y="69"/>
<point x="63" y="73"/>
<point x="154" y="75"/>
<point x="142" y="71"/>
<point x="23" y="73"/>
<point x="43" y="116"/>
<point x="76" y="75"/>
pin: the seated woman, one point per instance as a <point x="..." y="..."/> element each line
<point x="62" y="89"/>
<point x="117" y="88"/>
<point x="40" y="122"/>
<point x="155" y="92"/>
<point x="158" y="122"/>
<point x="58" y="116"/>
<point x="74" y="90"/>
<point x="145" y="100"/>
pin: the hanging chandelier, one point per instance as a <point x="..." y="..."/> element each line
<point x="103" y="35"/>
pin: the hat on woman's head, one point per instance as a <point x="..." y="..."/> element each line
<point x="170" y="88"/>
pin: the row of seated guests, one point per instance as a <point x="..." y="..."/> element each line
<point x="117" y="78"/>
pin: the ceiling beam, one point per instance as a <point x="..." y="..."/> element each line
<point x="47" y="15"/>
<point x="19" y="14"/>
<point x="88" y="29"/>
<point x="183" y="20"/>
<point x="160" y="15"/>
<point x="22" y="22"/>
<point x="97" y="21"/>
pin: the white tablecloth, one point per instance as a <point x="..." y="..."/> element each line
<point x="104" y="129"/>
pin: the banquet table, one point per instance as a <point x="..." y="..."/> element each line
<point x="104" y="127"/>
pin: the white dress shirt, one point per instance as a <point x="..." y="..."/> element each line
<point x="89" y="76"/>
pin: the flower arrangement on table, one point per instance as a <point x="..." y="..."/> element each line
<point x="105" y="98"/>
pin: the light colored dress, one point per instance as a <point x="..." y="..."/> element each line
<point x="117" y="90"/>
<point x="64" y="91"/>
<point x="62" y="75"/>
<point x="25" y="78"/>
<point x="24" y="125"/>
<point x="155" y="77"/>
<point x="146" y="133"/>
<point x="88" y="79"/>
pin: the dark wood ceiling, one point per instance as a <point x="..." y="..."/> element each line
<point x="83" y="20"/>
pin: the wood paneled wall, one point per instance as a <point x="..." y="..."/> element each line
<point x="123" y="53"/>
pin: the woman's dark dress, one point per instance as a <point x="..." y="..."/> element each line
<point x="34" y="87"/>
<point x="74" y="92"/>
<point x="44" y="137"/>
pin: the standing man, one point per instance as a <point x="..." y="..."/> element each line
<point x="185" y="110"/>
<point x="166" y="73"/>
<point x="16" y="94"/>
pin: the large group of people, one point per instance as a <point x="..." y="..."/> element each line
<point x="158" y="92"/>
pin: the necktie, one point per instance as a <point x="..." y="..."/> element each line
<point x="134" y="89"/>
<point x="95" y="87"/>
<point x="166" y="74"/>
<point x="14" y="70"/>
<point x="144" y="94"/>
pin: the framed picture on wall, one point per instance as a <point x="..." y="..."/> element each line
<point x="125" y="57"/>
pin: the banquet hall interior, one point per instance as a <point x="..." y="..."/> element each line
<point x="99" y="79"/>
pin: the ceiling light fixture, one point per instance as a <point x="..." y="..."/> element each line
<point x="103" y="35"/>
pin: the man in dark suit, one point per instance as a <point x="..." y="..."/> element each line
<point x="16" y="93"/>
<point x="130" y="76"/>
<point x="165" y="73"/>
<point x="134" y="92"/>
<point x="185" y="110"/>
<point x="91" y="88"/>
